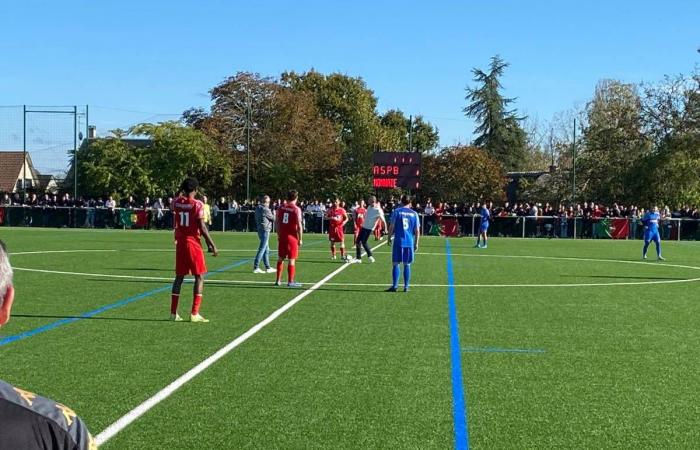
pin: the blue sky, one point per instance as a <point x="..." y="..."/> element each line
<point x="149" y="60"/>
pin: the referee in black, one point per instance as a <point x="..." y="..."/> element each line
<point x="28" y="421"/>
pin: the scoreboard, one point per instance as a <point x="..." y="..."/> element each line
<point x="396" y="170"/>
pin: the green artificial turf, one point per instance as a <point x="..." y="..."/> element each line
<point x="564" y="344"/>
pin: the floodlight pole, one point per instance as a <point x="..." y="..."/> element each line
<point x="24" y="148"/>
<point x="247" y="187"/>
<point x="573" y="181"/>
<point x="410" y="133"/>
<point x="75" y="153"/>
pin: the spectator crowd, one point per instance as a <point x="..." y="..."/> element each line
<point x="227" y="214"/>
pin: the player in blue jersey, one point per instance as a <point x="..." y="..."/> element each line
<point x="404" y="232"/>
<point x="651" y="232"/>
<point x="483" y="227"/>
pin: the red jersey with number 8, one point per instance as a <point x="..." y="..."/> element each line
<point x="289" y="221"/>
<point x="186" y="215"/>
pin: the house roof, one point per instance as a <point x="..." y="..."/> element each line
<point x="10" y="168"/>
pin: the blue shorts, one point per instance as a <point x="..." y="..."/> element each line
<point x="652" y="236"/>
<point x="484" y="227"/>
<point x="401" y="254"/>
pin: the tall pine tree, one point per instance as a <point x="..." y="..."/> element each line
<point x="498" y="128"/>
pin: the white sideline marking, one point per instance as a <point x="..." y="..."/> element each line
<point x="144" y="407"/>
<point x="249" y="282"/>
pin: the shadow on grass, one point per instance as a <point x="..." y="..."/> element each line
<point x="214" y="284"/>
<point x="43" y="316"/>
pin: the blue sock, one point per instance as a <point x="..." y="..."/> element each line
<point x="406" y="275"/>
<point x="478" y="241"/>
<point x="646" y="246"/>
<point x="395" y="273"/>
<point x="658" y="249"/>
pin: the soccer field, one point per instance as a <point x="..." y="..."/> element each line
<point x="550" y="344"/>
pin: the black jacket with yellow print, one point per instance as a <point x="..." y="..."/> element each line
<point x="28" y="422"/>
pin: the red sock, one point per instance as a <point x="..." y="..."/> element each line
<point x="332" y="250"/>
<point x="196" y="303"/>
<point x="342" y="252"/>
<point x="174" y="299"/>
<point x="280" y="266"/>
<point x="290" y="273"/>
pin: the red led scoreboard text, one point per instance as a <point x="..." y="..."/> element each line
<point x="396" y="169"/>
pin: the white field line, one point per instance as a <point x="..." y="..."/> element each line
<point x="469" y="255"/>
<point x="259" y="282"/>
<point x="144" y="407"/>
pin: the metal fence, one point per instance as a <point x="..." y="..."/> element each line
<point x="446" y="225"/>
<point x="561" y="227"/>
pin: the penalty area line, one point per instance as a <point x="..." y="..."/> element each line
<point x="130" y="417"/>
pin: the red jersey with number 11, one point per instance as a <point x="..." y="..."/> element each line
<point x="186" y="215"/>
<point x="289" y="221"/>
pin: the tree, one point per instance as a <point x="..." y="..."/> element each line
<point x="242" y="105"/>
<point x="152" y="166"/>
<point x="298" y="148"/>
<point x="349" y="104"/>
<point x="613" y="142"/>
<point x="111" y="166"/>
<point x="670" y="174"/>
<point x="396" y="127"/>
<point x="463" y="173"/>
<point x="177" y="152"/>
<point x="498" y="128"/>
<point x="292" y="144"/>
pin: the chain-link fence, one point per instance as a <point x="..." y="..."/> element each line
<point x="446" y="225"/>
<point x="46" y="137"/>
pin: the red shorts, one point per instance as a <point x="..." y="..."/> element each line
<point x="335" y="234"/>
<point x="288" y="248"/>
<point x="189" y="257"/>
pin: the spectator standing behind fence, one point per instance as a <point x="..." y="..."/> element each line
<point x="429" y="212"/>
<point x="158" y="212"/>
<point x="28" y="420"/>
<point x="90" y="214"/>
<point x="110" y="204"/>
<point x="263" y="222"/>
<point x="563" y="222"/>
<point x="148" y="213"/>
<point x="207" y="211"/>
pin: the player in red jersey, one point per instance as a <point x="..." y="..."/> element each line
<point x="358" y="216"/>
<point x="188" y="216"/>
<point x="290" y="231"/>
<point x="337" y="217"/>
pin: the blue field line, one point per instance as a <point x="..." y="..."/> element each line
<point x="502" y="350"/>
<point x="459" y="403"/>
<point x="27" y="334"/>
<point x="68" y="320"/>
<point x="118" y="304"/>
